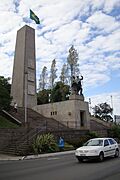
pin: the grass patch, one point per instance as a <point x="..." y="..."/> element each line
<point x="4" y="123"/>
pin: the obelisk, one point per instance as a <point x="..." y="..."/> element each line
<point x="23" y="89"/>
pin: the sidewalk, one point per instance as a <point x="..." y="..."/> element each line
<point x="4" y="157"/>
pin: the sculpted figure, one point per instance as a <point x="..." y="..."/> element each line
<point x="77" y="85"/>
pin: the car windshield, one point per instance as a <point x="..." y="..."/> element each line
<point x="95" y="142"/>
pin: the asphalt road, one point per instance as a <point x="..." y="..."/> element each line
<point x="62" y="167"/>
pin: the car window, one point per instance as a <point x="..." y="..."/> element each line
<point x="106" y="143"/>
<point x="96" y="142"/>
<point x="112" y="141"/>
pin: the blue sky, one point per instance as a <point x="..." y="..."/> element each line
<point x="92" y="26"/>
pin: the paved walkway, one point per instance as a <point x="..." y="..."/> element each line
<point x="9" y="157"/>
<point x="4" y="157"/>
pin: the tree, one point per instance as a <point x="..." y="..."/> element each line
<point x="53" y="71"/>
<point x="60" y="92"/>
<point x="43" y="96"/>
<point x="5" y="99"/>
<point x="72" y="61"/>
<point x="64" y="74"/>
<point x="114" y="131"/>
<point x="43" y="79"/>
<point x="103" y="111"/>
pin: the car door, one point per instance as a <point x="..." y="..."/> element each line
<point x="107" y="148"/>
<point x="112" y="145"/>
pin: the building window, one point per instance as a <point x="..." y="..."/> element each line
<point x="54" y="113"/>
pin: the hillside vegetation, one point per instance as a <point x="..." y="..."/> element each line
<point x="4" y="123"/>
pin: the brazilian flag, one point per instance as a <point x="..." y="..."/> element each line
<point x="34" y="17"/>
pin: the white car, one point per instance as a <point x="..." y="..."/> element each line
<point x="97" y="148"/>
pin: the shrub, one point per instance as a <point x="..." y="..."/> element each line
<point x="92" y="134"/>
<point x="115" y="132"/>
<point x="68" y="147"/>
<point x="44" y="143"/>
<point x="79" y="142"/>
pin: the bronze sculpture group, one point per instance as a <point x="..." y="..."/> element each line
<point x="77" y="85"/>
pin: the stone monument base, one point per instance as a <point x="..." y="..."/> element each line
<point x="76" y="97"/>
<point x="74" y="113"/>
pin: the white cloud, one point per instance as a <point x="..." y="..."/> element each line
<point x="94" y="76"/>
<point x="106" y="5"/>
<point x="89" y="25"/>
<point x="6" y="65"/>
<point x="6" y="5"/>
<point x="9" y="21"/>
<point x="103" y="22"/>
<point x="110" y="4"/>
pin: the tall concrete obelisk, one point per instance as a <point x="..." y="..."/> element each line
<point x="23" y="89"/>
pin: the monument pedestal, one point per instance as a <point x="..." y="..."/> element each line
<point x="74" y="113"/>
<point x="76" y="97"/>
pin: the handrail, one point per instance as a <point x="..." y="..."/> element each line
<point x="31" y="135"/>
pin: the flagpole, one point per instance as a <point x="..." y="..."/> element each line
<point x="29" y="19"/>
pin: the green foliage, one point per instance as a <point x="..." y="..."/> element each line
<point x="4" y="123"/>
<point x="45" y="143"/>
<point x="5" y="99"/>
<point x="60" y="92"/>
<point x="79" y="142"/>
<point x="115" y="131"/>
<point x="68" y="147"/>
<point x="92" y="134"/>
<point x="43" y="96"/>
<point x="103" y="111"/>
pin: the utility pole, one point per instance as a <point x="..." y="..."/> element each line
<point x="90" y="105"/>
<point x="112" y="106"/>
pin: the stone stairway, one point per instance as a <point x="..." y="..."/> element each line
<point x="18" y="141"/>
<point x="35" y="119"/>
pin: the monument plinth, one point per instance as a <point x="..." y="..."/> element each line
<point x="23" y="89"/>
<point x="76" y="97"/>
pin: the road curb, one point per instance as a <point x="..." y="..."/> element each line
<point x="48" y="155"/>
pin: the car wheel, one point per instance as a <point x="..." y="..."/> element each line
<point x="116" y="153"/>
<point x="101" y="156"/>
